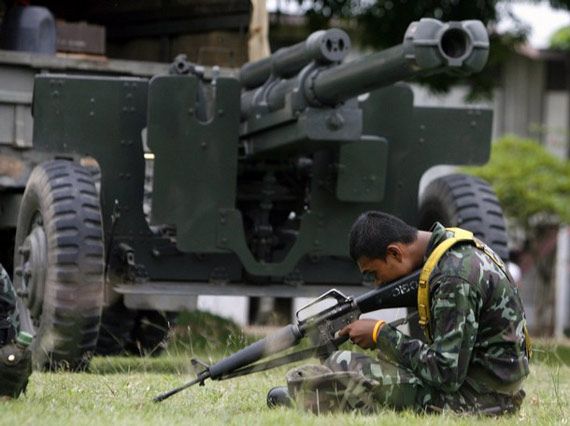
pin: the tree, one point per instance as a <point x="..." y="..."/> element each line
<point x="533" y="187"/>
<point x="560" y="40"/>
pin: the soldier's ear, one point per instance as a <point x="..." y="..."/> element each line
<point x="395" y="251"/>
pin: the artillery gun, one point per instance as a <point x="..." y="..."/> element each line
<point x="257" y="178"/>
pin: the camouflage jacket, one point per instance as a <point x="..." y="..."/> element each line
<point x="477" y="322"/>
<point x="8" y="317"/>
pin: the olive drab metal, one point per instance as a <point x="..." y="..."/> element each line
<point x="257" y="175"/>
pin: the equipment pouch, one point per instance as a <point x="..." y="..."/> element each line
<point x="15" y="368"/>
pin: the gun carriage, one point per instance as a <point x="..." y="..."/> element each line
<point x="257" y="178"/>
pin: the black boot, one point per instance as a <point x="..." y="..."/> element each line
<point x="279" y="397"/>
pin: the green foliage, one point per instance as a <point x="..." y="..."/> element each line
<point x="529" y="181"/>
<point x="561" y="39"/>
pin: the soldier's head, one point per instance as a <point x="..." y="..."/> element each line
<point x="381" y="244"/>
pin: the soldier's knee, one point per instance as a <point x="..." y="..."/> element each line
<point x="319" y="389"/>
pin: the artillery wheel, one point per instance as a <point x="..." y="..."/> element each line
<point x="468" y="202"/>
<point x="58" y="264"/>
<point x="464" y="201"/>
<point x="129" y="332"/>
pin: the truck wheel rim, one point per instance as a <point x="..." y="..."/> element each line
<point x="33" y="269"/>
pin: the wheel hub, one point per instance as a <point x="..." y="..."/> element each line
<point x="33" y="269"/>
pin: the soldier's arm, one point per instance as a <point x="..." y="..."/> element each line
<point x="455" y="311"/>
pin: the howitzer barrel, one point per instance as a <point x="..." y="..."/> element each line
<point x="429" y="46"/>
<point x="325" y="46"/>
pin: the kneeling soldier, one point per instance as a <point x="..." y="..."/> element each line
<point x="476" y="357"/>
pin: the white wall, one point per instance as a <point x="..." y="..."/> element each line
<point x="234" y="308"/>
<point x="555" y="122"/>
<point x="562" y="296"/>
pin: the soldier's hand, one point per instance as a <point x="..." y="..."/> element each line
<point x="360" y="332"/>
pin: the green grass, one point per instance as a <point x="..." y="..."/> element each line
<point x="120" y="390"/>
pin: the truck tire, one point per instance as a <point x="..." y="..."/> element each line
<point x="128" y="332"/>
<point x="150" y="333"/>
<point x="115" y="330"/>
<point x="59" y="265"/>
<point x="467" y="202"/>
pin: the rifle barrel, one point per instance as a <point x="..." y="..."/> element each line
<point x="282" y="339"/>
<point x="174" y="391"/>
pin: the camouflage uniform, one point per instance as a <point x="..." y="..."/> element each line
<point x="8" y="318"/>
<point x="476" y="362"/>
<point x="15" y="362"/>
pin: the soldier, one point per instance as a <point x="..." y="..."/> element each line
<point x="476" y="357"/>
<point x="15" y="357"/>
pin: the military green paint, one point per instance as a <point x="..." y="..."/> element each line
<point x="195" y="174"/>
<point x="100" y="117"/>
<point x="196" y="163"/>
<point x="420" y="138"/>
<point x="104" y="118"/>
<point x="362" y="170"/>
<point x="288" y="132"/>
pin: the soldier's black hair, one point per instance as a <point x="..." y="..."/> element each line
<point x="373" y="231"/>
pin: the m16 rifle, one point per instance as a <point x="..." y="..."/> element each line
<point x="319" y="321"/>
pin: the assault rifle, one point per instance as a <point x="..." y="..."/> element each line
<point x="319" y="321"/>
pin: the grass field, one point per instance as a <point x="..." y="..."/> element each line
<point x="120" y="390"/>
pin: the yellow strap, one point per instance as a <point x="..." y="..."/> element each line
<point x="431" y="262"/>
<point x="527" y="343"/>
<point x="423" y="287"/>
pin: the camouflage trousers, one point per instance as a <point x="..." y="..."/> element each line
<point x="350" y="381"/>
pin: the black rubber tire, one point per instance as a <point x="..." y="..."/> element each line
<point x="467" y="202"/>
<point x="115" y="330"/>
<point x="129" y="332"/>
<point x="61" y="203"/>
<point x="150" y="333"/>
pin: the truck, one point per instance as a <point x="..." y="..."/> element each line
<point x="257" y="176"/>
<point x="94" y="38"/>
